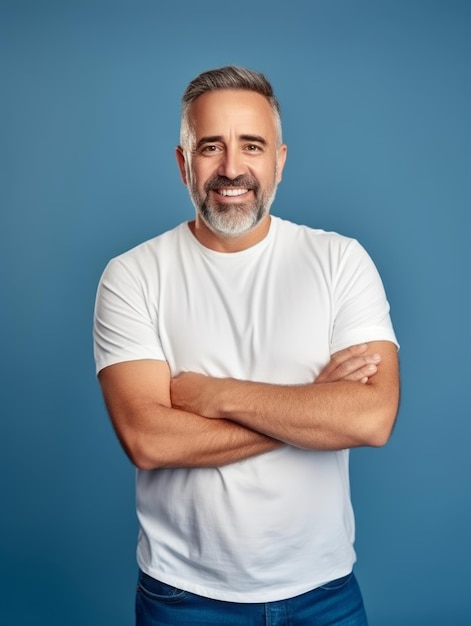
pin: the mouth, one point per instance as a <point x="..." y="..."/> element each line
<point x="232" y="192"/>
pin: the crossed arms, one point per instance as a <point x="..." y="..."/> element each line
<point x="199" y="421"/>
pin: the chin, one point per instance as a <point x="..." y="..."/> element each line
<point x="231" y="227"/>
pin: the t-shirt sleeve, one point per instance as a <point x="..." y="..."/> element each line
<point x="125" y="324"/>
<point x="361" y="310"/>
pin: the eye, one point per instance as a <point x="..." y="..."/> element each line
<point x="253" y="147"/>
<point x="209" y="149"/>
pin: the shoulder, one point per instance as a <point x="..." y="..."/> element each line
<point x="315" y="240"/>
<point x="147" y="255"/>
<point x="153" y="246"/>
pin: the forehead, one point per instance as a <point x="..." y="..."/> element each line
<point x="232" y="111"/>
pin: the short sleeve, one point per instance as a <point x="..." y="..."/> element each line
<point x="361" y="310"/>
<point x="125" y="320"/>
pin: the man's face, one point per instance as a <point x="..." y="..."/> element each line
<point x="234" y="164"/>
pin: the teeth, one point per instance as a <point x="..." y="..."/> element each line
<point x="232" y="192"/>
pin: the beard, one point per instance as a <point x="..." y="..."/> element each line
<point x="236" y="218"/>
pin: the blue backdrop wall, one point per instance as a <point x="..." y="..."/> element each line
<point x="376" y="98"/>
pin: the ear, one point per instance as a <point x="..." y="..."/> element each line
<point x="181" y="164"/>
<point x="281" y="154"/>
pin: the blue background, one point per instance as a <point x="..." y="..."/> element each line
<point x="376" y="100"/>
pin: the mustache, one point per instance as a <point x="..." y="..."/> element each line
<point x="247" y="182"/>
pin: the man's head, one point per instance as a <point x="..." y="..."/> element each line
<point x="228" y="77"/>
<point x="231" y="155"/>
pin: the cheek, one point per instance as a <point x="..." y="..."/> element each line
<point x="268" y="176"/>
<point x="201" y="174"/>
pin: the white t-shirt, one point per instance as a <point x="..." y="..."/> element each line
<point x="281" y="523"/>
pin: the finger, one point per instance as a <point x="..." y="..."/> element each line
<point x="363" y="373"/>
<point x="352" y="369"/>
<point x="347" y="353"/>
<point x="340" y="357"/>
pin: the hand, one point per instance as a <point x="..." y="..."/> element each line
<point x="352" y="363"/>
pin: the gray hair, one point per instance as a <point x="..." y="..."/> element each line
<point x="228" y="77"/>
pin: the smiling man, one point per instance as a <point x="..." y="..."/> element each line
<point x="240" y="357"/>
<point x="231" y="176"/>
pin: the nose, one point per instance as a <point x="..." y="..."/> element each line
<point x="232" y="163"/>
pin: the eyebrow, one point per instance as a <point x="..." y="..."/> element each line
<point x="254" y="138"/>
<point x="218" y="138"/>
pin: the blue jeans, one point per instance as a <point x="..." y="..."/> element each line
<point x="339" y="603"/>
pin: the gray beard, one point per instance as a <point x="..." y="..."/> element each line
<point x="235" y="219"/>
<point x="232" y="220"/>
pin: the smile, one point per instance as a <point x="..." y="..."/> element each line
<point x="232" y="192"/>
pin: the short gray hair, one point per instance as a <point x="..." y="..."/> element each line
<point x="227" y="77"/>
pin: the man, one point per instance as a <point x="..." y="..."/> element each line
<point x="240" y="357"/>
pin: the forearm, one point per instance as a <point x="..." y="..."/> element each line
<point x="154" y="435"/>
<point x="165" y="437"/>
<point x="338" y="410"/>
<point x="327" y="416"/>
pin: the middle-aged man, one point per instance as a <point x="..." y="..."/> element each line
<point x="240" y="357"/>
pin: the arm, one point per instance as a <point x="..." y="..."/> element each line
<point x="324" y="415"/>
<point x="154" y="435"/>
<point x="137" y="395"/>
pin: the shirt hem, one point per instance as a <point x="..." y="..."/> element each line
<point x="245" y="597"/>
